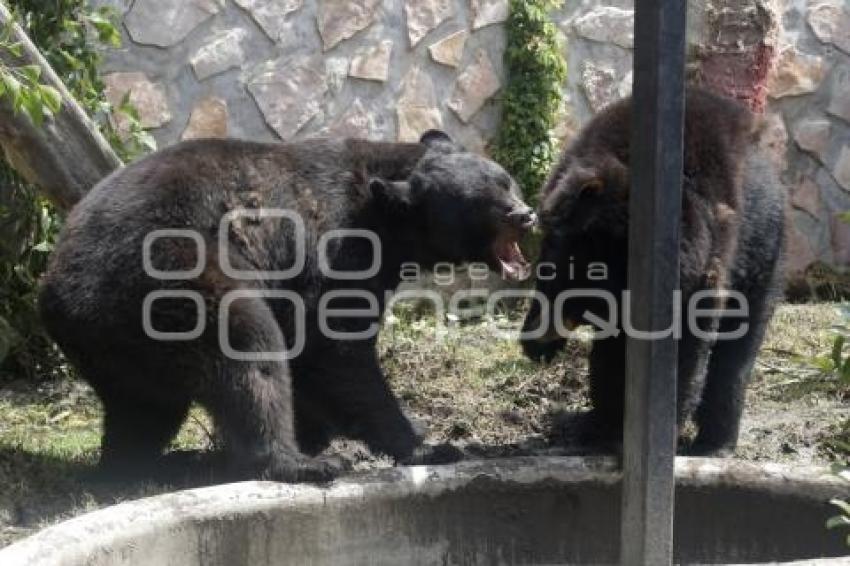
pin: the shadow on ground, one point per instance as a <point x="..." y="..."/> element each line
<point x="49" y="488"/>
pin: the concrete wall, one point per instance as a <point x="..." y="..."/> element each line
<point x="541" y="510"/>
<point x="389" y="69"/>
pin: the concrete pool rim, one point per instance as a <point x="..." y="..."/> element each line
<point x="75" y="541"/>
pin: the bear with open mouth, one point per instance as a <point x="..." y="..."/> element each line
<point x="251" y="278"/>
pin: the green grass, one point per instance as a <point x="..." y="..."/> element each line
<point x="472" y="384"/>
<point x="799" y="335"/>
<point x="49" y="444"/>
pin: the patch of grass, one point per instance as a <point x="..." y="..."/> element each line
<point x="63" y="419"/>
<point x="820" y="282"/>
<point x="798" y="335"/>
<point x="49" y="446"/>
<point x="808" y="403"/>
<point x="835" y="443"/>
<point x="471" y="382"/>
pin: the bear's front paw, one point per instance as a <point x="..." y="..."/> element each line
<point x="600" y="432"/>
<point x="297" y="468"/>
<point x="542" y="350"/>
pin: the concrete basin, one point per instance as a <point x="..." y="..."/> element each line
<point x="541" y="510"/>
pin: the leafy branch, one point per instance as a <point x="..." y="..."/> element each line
<point x="132" y="140"/>
<point x="66" y="33"/>
<point x="21" y="85"/>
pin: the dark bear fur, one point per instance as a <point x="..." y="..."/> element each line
<point x="427" y="202"/>
<point x="732" y="237"/>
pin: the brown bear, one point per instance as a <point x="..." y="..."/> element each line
<point x="212" y="271"/>
<point x="732" y="239"/>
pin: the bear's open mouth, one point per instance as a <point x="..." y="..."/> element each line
<point x="510" y="258"/>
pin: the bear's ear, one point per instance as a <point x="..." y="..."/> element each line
<point x="433" y="137"/>
<point x="393" y="195"/>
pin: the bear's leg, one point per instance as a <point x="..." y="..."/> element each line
<point x="718" y="415"/>
<point x="693" y="352"/>
<point x="604" y="424"/>
<point x="251" y="401"/>
<point x="349" y="385"/>
<point x="314" y="427"/>
<point x="136" y="431"/>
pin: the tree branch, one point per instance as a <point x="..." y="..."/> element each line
<point x="66" y="155"/>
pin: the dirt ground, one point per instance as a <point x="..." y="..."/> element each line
<point x="480" y="390"/>
<point x="468" y="384"/>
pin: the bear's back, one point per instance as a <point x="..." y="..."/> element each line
<point x="191" y="187"/>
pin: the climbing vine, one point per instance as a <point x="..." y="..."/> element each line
<point x="536" y="71"/>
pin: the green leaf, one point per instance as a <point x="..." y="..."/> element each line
<point x="146" y="140"/>
<point x="107" y="32"/>
<point x="51" y="98"/>
<point x="31" y="72"/>
<point x="71" y="61"/>
<point x="33" y="107"/>
<point x="43" y="247"/>
<point x="126" y="107"/>
<point x="12" y="88"/>
<point x="98" y="18"/>
<point x="16" y="49"/>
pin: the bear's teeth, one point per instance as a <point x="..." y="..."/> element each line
<point x="513" y="262"/>
<point x="509" y="268"/>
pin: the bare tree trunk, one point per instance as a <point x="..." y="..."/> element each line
<point x="66" y="155"/>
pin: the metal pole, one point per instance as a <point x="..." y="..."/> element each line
<point x="655" y="210"/>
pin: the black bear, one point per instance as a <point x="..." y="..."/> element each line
<point x="732" y="240"/>
<point x="251" y="278"/>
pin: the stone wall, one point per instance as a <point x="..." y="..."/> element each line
<point x="810" y="104"/>
<point x="807" y="94"/>
<point x="389" y="69"/>
<point x="285" y="69"/>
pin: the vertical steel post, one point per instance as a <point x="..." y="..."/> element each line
<point x="655" y="210"/>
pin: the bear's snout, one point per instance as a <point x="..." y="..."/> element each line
<point x="523" y="217"/>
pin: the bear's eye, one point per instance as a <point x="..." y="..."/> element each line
<point x="504" y="185"/>
<point x="591" y="188"/>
